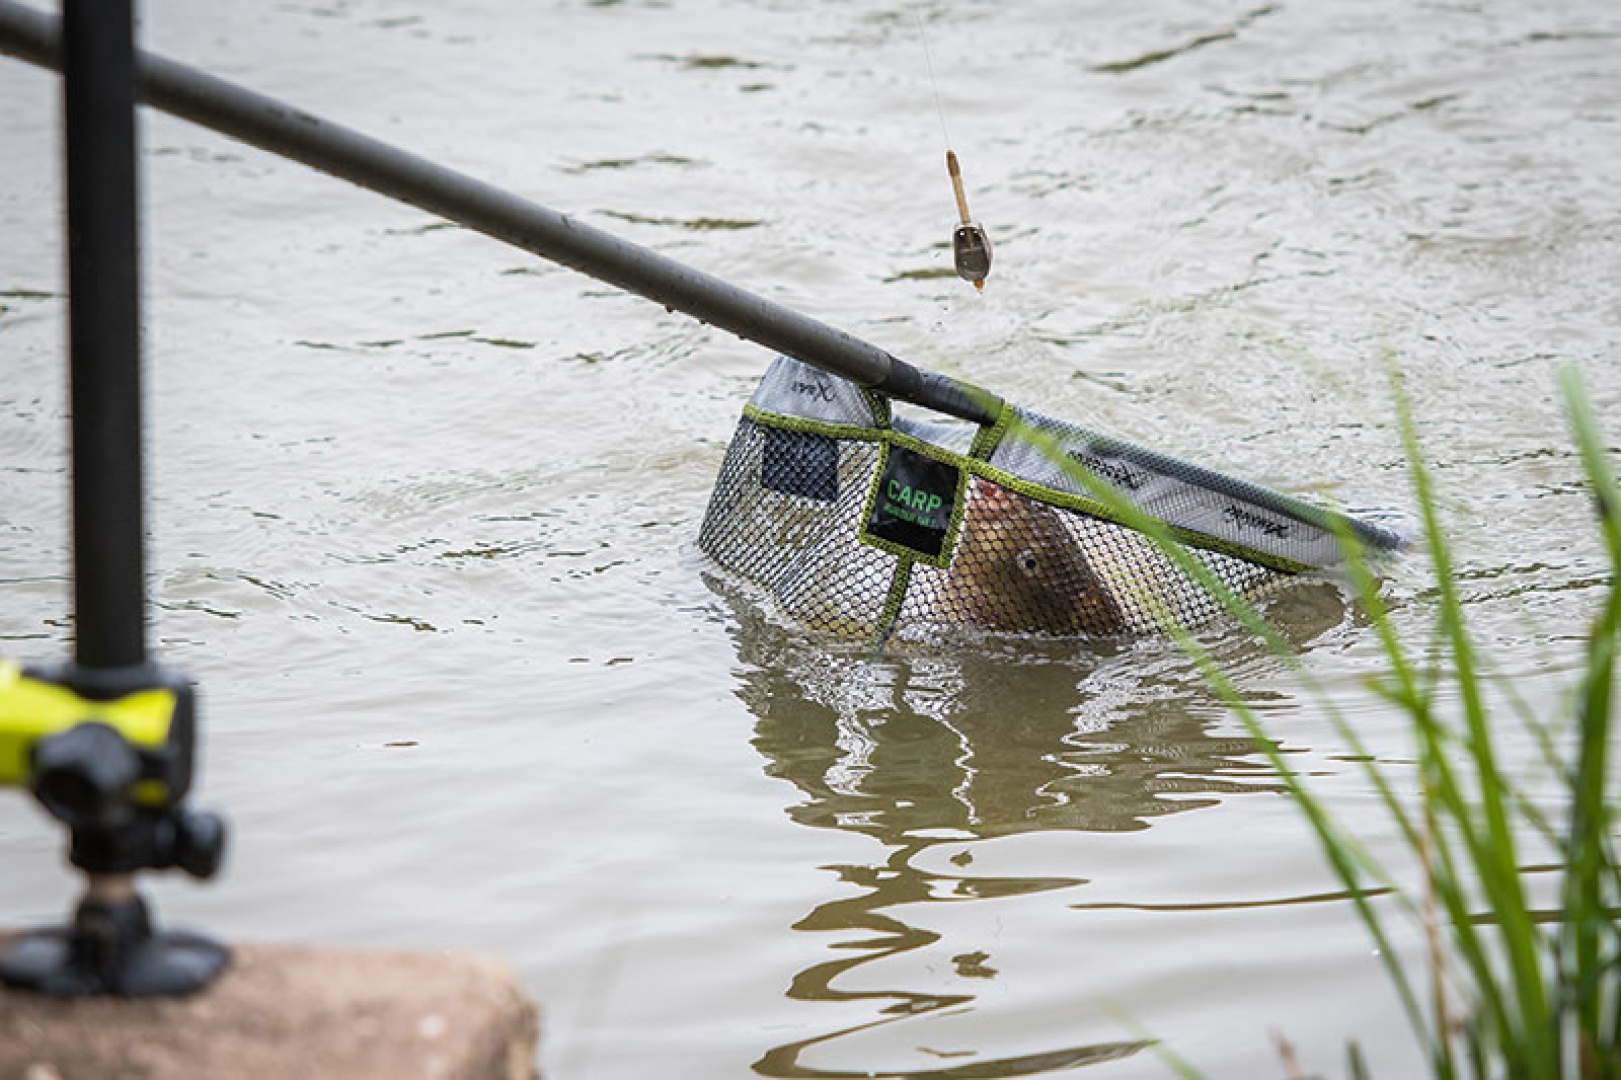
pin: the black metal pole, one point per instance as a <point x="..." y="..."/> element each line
<point x="281" y="129"/>
<point x="98" y="82"/>
<point x="121" y="793"/>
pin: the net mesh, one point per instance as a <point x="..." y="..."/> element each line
<point x="857" y="523"/>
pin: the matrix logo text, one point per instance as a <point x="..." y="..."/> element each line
<point x="819" y="389"/>
<point x="1113" y="471"/>
<point x="1245" y="519"/>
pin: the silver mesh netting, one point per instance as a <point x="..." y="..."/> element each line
<point x="856" y="523"/>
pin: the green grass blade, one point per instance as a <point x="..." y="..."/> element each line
<point x="1588" y="942"/>
<point x="1520" y="1010"/>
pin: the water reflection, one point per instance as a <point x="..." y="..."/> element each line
<point x="929" y="751"/>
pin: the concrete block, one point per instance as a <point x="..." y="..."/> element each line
<point x="287" y="1011"/>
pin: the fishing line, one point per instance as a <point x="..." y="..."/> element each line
<point x="934" y="83"/>
<point x="970" y="244"/>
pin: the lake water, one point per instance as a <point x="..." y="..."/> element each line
<point x="424" y="508"/>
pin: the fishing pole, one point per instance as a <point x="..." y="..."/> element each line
<point x="289" y="132"/>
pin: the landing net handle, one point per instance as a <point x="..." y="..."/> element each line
<point x="281" y="129"/>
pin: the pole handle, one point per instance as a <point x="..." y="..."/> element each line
<point x="289" y="132"/>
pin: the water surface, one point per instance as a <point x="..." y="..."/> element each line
<point x="423" y="507"/>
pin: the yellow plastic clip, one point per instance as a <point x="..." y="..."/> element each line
<point x="32" y="708"/>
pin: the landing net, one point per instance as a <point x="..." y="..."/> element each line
<point x="859" y="522"/>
